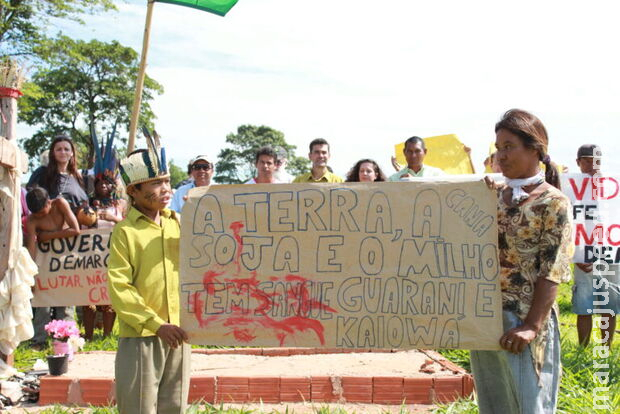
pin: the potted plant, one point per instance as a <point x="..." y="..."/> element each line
<point x="66" y="337"/>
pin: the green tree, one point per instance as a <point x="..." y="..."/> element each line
<point x="23" y="23"/>
<point x="82" y="83"/>
<point x="235" y="165"/>
<point x="177" y="174"/>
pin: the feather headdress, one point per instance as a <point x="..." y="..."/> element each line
<point x="145" y="164"/>
<point x="106" y="163"/>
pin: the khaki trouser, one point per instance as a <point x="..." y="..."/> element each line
<point x="151" y="377"/>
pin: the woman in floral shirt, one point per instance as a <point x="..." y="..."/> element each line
<point x="534" y="226"/>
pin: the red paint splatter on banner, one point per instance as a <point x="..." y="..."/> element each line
<point x="243" y="322"/>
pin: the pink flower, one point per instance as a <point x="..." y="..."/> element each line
<point x="62" y="330"/>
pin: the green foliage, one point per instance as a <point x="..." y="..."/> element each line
<point x="82" y="83"/>
<point x="23" y="22"/>
<point x="177" y="174"/>
<point x="236" y="164"/>
<point x="577" y="382"/>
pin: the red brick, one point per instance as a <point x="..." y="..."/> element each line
<point x="357" y="381"/>
<point x="96" y="391"/>
<point x="468" y="385"/>
<point x="276" y="352"/>
<point x="53" y="389"/>
<point x="295" y="389"/>
<point x="218" y="351"/>
<point x="265" y="389"/>
<point x="358" y="397"/>
<point x="417" y="390"/>
<point x="321" y="389"/>
<point x="387" y="399"/>
<point x="201" y="389"/>
<point x="448" y="389"/>
<point x="387" y="390"/>
<point x="232" y="389"/>
<point x="246" y="351"/>
<point x="357" y="389"/>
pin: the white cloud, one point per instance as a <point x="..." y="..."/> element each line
<point x="367" y="74"/>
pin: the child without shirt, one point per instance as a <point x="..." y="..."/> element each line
<point x="49" y="219"/>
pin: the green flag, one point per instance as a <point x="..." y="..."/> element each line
<point x="220" y="7"/>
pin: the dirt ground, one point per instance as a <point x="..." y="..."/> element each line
<point x="405" y="363"/>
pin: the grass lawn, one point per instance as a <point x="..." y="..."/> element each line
<point x="576" y="388"/>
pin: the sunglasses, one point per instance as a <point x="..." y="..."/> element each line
<point x="205" y="167"/>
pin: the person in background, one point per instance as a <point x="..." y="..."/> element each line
<point x="152" y="364"/>
<point x="534" y="239"/>
<point x="265" y="161"/>
<point x="589" y="286"/>
<point x="48" y="219"/>
<point x="201" y="170"/>
<point x="365" y="170"/>
<point x="281" y="174"/>
<point x="110" y="210"/>
<point x="415" y="151"/>
<point x="61" y="176"/>
<point x="319" y="156"/>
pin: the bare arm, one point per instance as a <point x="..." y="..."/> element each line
<point x="31" y="237"/>
<point x="516" y="339"/>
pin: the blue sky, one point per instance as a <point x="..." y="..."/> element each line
<point x="365" y="75"/>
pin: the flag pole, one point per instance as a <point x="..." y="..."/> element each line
<point x="137" y="100"/>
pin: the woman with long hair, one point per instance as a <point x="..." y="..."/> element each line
<point x="61" y="177"/>
<point x="534" y="230"/>
<point x="365" y="170"/>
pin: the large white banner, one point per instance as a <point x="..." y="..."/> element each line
<point x="596" y="216"/>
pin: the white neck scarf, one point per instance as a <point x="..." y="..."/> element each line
<point x="517" y="184"/>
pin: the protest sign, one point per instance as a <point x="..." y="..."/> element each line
<point x="596" y="216"/>
<point x="372" y="265"/>
<point x="444" y="151"/>
<point x="73" y="271"/>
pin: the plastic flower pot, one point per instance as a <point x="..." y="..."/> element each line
<point x="57" y="364"/>
<point x="62" y="348"/>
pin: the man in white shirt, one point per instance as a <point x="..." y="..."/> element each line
<point x="201" y="171"/>
<point x="415" y="151"/>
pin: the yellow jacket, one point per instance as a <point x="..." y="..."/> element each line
<point x="143" y="273"/>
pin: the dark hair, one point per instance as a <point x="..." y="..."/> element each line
<point x="415" y="140"/>
<point x="52" y="177"/>
<point x="268" y="151"/>
<point x="353" y="176"/>
<point x="318" y="141"/>
<point x="36" y="199"/>
<point x="533" y="135"/>
<point x="107" y="179"/>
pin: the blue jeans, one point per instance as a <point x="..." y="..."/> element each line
<point x="507" y="383"/>
<point x="607" y="294"/>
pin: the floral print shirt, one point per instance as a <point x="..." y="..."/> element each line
<point x="534" y="242"/>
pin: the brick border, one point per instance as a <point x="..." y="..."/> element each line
<point x="387" y="390"/>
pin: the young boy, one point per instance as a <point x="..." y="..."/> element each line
<point x="49" y="219"/>
<point x="152" y="362"/>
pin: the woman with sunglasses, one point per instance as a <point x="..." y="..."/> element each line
<point x="201" y="172"/>
<point x="534" y="231"/>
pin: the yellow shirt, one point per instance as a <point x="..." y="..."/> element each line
<point x="327" y="178"/>
<point x="143" y="273"/>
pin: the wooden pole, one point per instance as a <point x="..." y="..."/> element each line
<point x="137" y="100"/>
